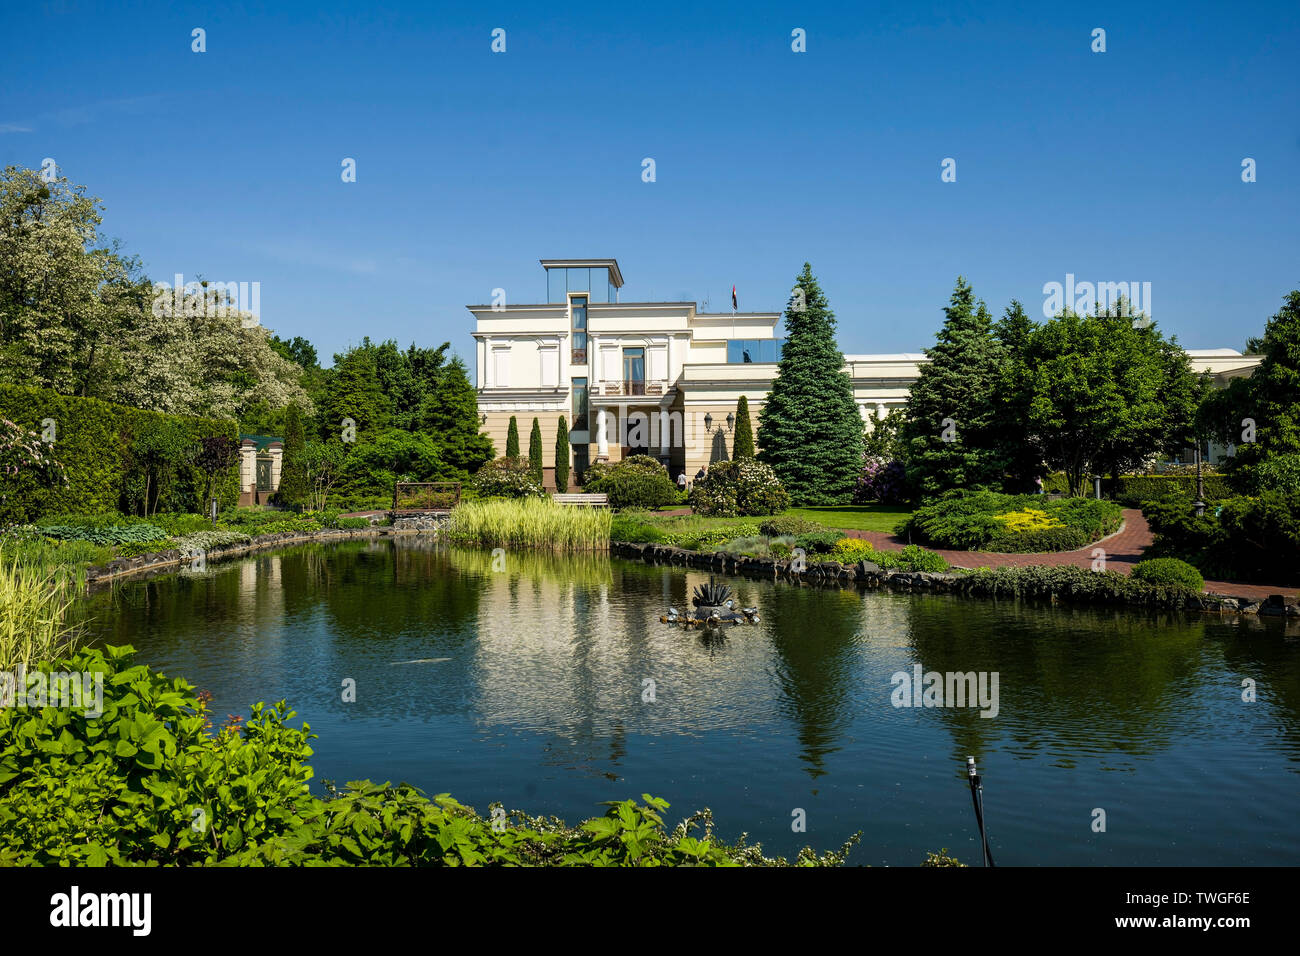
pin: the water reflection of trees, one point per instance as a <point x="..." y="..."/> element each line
<point x="814" y="633"/>
<point x="1073" y="682"/>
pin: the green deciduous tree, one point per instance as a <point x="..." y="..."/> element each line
<point x="743" y="444"/>
<point x="1106" y="395"/>
<point x="562" y="456"/>
<point x="1018" y="451"/>
<point x="809" y="430"/>
<point x="949" y="433"/>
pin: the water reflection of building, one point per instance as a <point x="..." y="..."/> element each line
<point x="570" y="649"/>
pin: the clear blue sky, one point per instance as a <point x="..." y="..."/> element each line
<point x="1123" y="165"/>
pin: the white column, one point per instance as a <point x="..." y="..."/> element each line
<point x="880" y="410"/>
<point x="486" y="380"/>
<point x="664" y="432"/>
<point x="602" y="436"/>
<point x="862" y="410"/>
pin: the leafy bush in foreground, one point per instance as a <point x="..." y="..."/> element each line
<point x="146" y="783"/>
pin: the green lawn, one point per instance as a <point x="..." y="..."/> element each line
<point x="855" y="517"/>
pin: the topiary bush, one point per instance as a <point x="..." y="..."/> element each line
<point x="744" y="487"/>
<point x="1170" y="572"/>
<point x="636" y="482"/>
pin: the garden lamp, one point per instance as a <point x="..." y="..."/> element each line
<point x="708" y="421"/>
<point x="731" y="421"/>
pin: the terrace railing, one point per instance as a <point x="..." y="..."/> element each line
<point x="418" y="497"/>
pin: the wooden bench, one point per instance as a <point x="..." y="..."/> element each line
<point x="590" y="501"/>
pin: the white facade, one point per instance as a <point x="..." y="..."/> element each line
<point x="660" y="377"/>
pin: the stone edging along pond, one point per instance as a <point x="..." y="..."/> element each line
<point x="866" y="574"/>
<point x="173" y="558"/>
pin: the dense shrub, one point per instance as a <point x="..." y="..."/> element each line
<point x="1275" y="473"/>
<point x="636" y="482"/>
<point x="101" y="448"/>
<point x="1133" y="490"/>
<point x="506" y="478"/>
<point x="352" y="524"/>
<point x="910" y="558"/>
<point x="986" y="520"/>
<point x="788" y="524"/>
<point x="1243" y="538"/>
<point x="148" y="784"/>
<point x="1170" y="572"/>
<point x="742" y="487"/>
<point x="819" y="542"/>
<point x="1072" y="584"/>
<point x="706" y="539"/>
<point x="632" y="528"/>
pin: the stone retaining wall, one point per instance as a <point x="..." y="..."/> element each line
<point x="866" y="574"/>
<point x="171" y="559"/>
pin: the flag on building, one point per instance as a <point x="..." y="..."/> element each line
<point x="733" y="298"/>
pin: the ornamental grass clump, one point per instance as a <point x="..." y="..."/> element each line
<point x="528" y="523"/>
<point x="34" y="602"/>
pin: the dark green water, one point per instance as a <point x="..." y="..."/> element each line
<point x="535" y="695"/>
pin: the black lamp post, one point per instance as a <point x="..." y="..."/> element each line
<point x="731" y="421"/>
<point x="708" y="421"/>
<point x="1199" y="504"/>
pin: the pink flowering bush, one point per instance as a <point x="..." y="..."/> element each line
<point x="745" y="486"/>
<point x="882" y="481"/>
<point x="25" y="462"/>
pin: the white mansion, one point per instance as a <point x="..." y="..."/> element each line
<point x="659" y="378"/>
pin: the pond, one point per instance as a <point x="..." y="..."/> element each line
<point x="529" y="685"/>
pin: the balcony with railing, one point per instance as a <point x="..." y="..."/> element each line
<point x="631" y="388"/>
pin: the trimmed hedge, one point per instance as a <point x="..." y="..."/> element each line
<point x="1132" y="490"/>
<point x="93" y="442"/>
<point x="1169" y="571"/>
<point x="636" y="482"/>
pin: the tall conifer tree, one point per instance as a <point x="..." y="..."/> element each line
<point x="810" y="430"/>
<point x="512" y="438"/>
<point x="535" y="451"/>
<point x="949" y="431"/>
<point x="562" y="456"/>
<point x="743" y="444"/>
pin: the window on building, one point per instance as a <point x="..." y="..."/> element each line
<point x="580" y="423"/>
<point x="578" y="308"/>
<point x="741" y="351"/>
<point x="634" y="371"/>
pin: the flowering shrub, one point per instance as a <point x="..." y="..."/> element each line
<point x="506" y="478"/>
<point x="988" y="521"/>
<point x="745" y="486"/>
<point x="882" y="481"/>
<point x="25" y="462"/>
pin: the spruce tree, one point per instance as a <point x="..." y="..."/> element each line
<point x="562" y="456"/>
<point x="535" y="451"/>
<point x="293" y="481"/>
<point x="451" y="415"/>
<point x="949" y="431"/>
<point x="810" y="430"/>
<point x="512" y="438"/>
<point x="743" y="444"/>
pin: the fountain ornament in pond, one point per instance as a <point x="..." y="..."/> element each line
<point x="713" y="608"/>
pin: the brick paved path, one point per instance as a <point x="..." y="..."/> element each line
<point x="1123" y="550"/>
